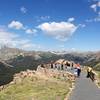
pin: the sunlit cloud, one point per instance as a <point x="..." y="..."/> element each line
<point x="94" y="7"/>
<point x="16" y="25"/>
<point x="13" y="40"/>
<point x="82" y="25"/>
<point x="71" y="19"/>
<point x="59" y="30"/>
<point x="31" y="31"/>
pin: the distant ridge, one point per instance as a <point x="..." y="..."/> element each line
<point x="17" y="57"/>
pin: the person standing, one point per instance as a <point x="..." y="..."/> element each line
<point x="89" y="69"/>
<point x="75" y="72"/>
<point x="90" y="73"/>
<point x="78" y="70"/>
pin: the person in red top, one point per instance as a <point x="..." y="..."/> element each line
<point x="78" y="70"/>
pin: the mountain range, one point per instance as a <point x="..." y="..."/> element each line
<point x="18" y="57"/>
<point x="13" y="60"/>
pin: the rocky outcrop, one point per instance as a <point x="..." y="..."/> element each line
<point x="19" y="77"/>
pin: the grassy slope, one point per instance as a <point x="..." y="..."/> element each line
<point x="36" y="89"/>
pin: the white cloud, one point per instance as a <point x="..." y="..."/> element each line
<point x="30" y="46"/>
<point x="99" y="13"/>
<point x="61" y="31"/>
<point x="23" y="10"/>
<point x="89" y="20"/>
<point x="82" y="25"/>
<point x="16" y="25"/>
<point x="94" y="7"/>
<point x="98" y="4"/>
<point x="27" y="46"/>
<point x="61" y="47"/>
<point x="71" y="19"/>
<point x="13" y="40"/>
<point x="95" y="0"/>
<point x="73" y="49"/>
<point x="7" y="38"/>
<point x="31" y="31"/>
<point x="97" y="19"/>
<point x="44" y="17"/>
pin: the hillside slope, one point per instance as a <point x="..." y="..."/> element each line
<point x="35" y="86"/>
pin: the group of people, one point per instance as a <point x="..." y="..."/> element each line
<point x="58" y="66"/>
<point x="77" y="70"/>
<point x="90" y="72"/>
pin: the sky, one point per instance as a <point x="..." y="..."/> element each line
<point x="55" y="25"/>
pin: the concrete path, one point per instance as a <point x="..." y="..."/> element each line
<point x="85" y="89"/>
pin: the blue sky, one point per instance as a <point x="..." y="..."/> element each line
<point x="50" y="24"/>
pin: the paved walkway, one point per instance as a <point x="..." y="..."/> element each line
<point x="85" y="89"/>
